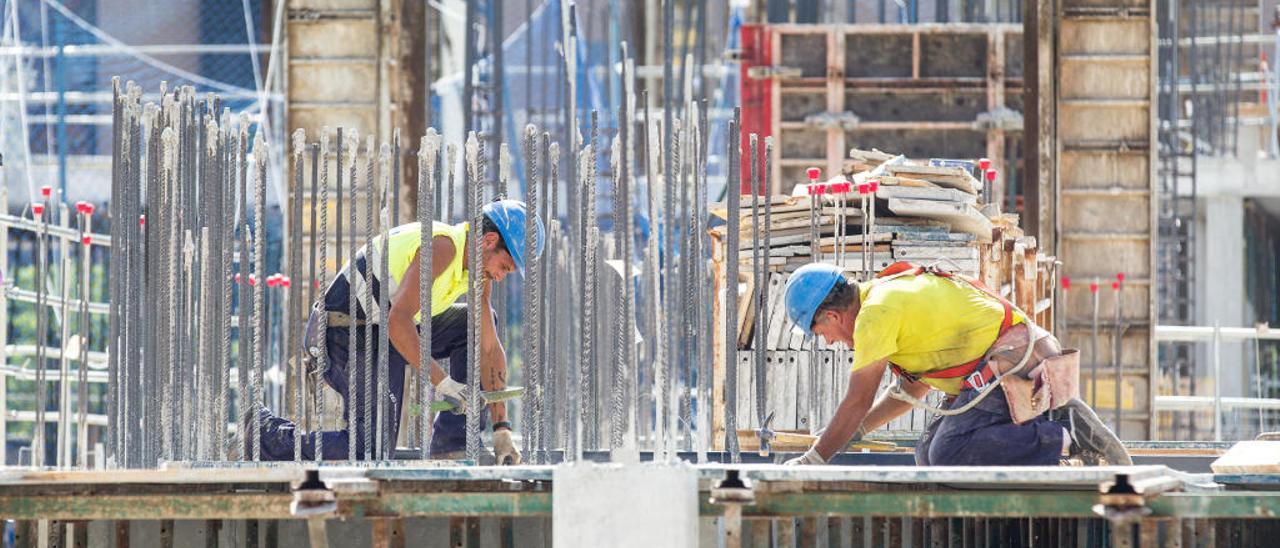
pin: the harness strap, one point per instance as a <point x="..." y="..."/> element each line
<point x="976" y="375"/>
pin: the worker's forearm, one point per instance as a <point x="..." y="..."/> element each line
<point x="886" y="409"/>
<point x="493" y="361"/>
<point x="849" y="416"/>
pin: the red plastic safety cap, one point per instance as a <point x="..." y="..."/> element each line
<point x="813" y="173"/>
<point x="984" y="163"/>
<point x="1066" y="282"/>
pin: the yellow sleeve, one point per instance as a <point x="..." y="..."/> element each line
<point x="875" y="335"/>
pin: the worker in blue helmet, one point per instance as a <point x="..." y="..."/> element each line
<point x="1010" y="389"/>
<point x="503" y="251"/>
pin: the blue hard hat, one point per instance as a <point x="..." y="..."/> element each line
<point x="509" y="216"/>
<point x="807" y="287"/>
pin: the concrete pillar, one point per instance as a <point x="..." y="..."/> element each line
<point x="638" y="505"/>
<point x="1221" y="298"/>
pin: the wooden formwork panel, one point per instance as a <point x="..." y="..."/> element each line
<point x="922" y="143"/>
<point x="333" y="38"/>
<point x="922" y="90"/>
<point x="1090" y="122"/>
<point x="1105" y="139"/>
<point x="1104" y="170"/>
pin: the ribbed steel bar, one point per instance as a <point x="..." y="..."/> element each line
<point x="295" y="265"/>
<point x="706" y="350"/>
<point x="322" y="271"/>
<point x="244" y="331"/>
<point x="733" y="195"/>
<point x="531" y="364"/>
<point x="548" y="373"/>
<point x="381" y="424"/>
<point x="353" y="307"/>
<point x="369" y="304"/>
<point x="116" y="305"/>
<point x="82" y="395"/>
<point x="474" y="192"/>
<point x="260" y="342"/>
<point x="552" y="433"/>
<point x="586" y="363"/>
<point x="759" y="257"/>
<point x="428" y="160"/>
<point x="589" y="291"/>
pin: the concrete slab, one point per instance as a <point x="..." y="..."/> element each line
<point x="640" y="506"/>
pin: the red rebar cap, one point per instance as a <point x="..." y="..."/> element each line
<point x="315" y="284"/>
<point x="284" y="281"/>
<point x="88" y="208"/>
<point x="984" y="163"/>
<point x="817" y="189"/>
<point x="1120" y="277"/>
<point x="272" y="280"/>
<point x="1093" y="286"/>
<point x="864" y="188"/>
<point x="46" y="191"/>
<point x="142" y="220"/>
<point x="1066" y="282"/>
<point x="253" y="280"/>
<point x="87" y="240"/>
<point x="840" y="188"/>
<point x="991" y="174"/>
<point x="236" y="277"/>
<point x="37" y="208"/>
<point x="813" y="173"/>
<point x="1115" y="286"/>
<point x="875" y="185"/>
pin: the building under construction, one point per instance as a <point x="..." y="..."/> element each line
<point x="207" y="204"/>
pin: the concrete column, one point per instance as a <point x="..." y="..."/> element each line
<point x="1220" y="298"/>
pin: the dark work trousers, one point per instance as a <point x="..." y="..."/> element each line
<point x="448" y="340"/>
<point x="987" y="436"/>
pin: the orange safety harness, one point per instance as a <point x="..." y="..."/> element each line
<point x="975" y="375"/>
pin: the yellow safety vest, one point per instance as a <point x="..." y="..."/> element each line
<point x="402" y="245"/>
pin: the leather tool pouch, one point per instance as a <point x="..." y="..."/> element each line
<point x="1054" y="381"/>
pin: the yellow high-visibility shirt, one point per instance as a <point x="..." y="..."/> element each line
<point x="925" y="323"/>
<point x="403" y="246"/>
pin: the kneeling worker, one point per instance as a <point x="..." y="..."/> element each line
<point x="503" y="251"/>
<point x="938" y="330"/>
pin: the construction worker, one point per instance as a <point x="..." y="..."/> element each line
<point x="941" y="331"/>
<point x="503" y="251"/>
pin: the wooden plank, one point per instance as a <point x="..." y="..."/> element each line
<point x="777" y="310"/>
<point x="961" y="217"/>
<point x="951" y="177"/>
<point x="804" y="392"/>
<point x="1249" y="457"/>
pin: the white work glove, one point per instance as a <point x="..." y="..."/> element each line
<point x="454" y="392"/>
<point x="504" y="448"/>
<point x="810" y="457"/>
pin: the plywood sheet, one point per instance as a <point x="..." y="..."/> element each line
<point x="1249" y="457"/>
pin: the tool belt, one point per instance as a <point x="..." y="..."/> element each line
<point x="312" y="336"/>
<point x="1050" y="377"/>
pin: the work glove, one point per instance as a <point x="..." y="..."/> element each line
<point x="504" y="449"/>
<point x="455" y="393"/>
<point x="810" y="457"/>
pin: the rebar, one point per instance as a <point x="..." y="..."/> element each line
<point x="370" y="305"/>
<point x="381" y="418"/>
<point x="322" y="237"/>
<point x="428" y="158"/>
<point x="531" y="416"/>
<point x="733" y="195"/>
<point x="353" y="306"/>
<point x="295" y="263"/>
<point x="475" y="193"/>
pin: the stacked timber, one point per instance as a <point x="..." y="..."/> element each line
<point x="923" y="213"/>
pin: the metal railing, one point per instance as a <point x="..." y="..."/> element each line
<point x="1216" y="335"/>
<point x="61" y="243"/>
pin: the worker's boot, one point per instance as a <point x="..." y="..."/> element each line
<point x="1091" y="440"/>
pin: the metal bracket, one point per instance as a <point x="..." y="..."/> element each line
<point x="846" y="120"/>
<point x="312" y="498"/>
<point x="1002" y="118"/>
<point x="768" y="72"/>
